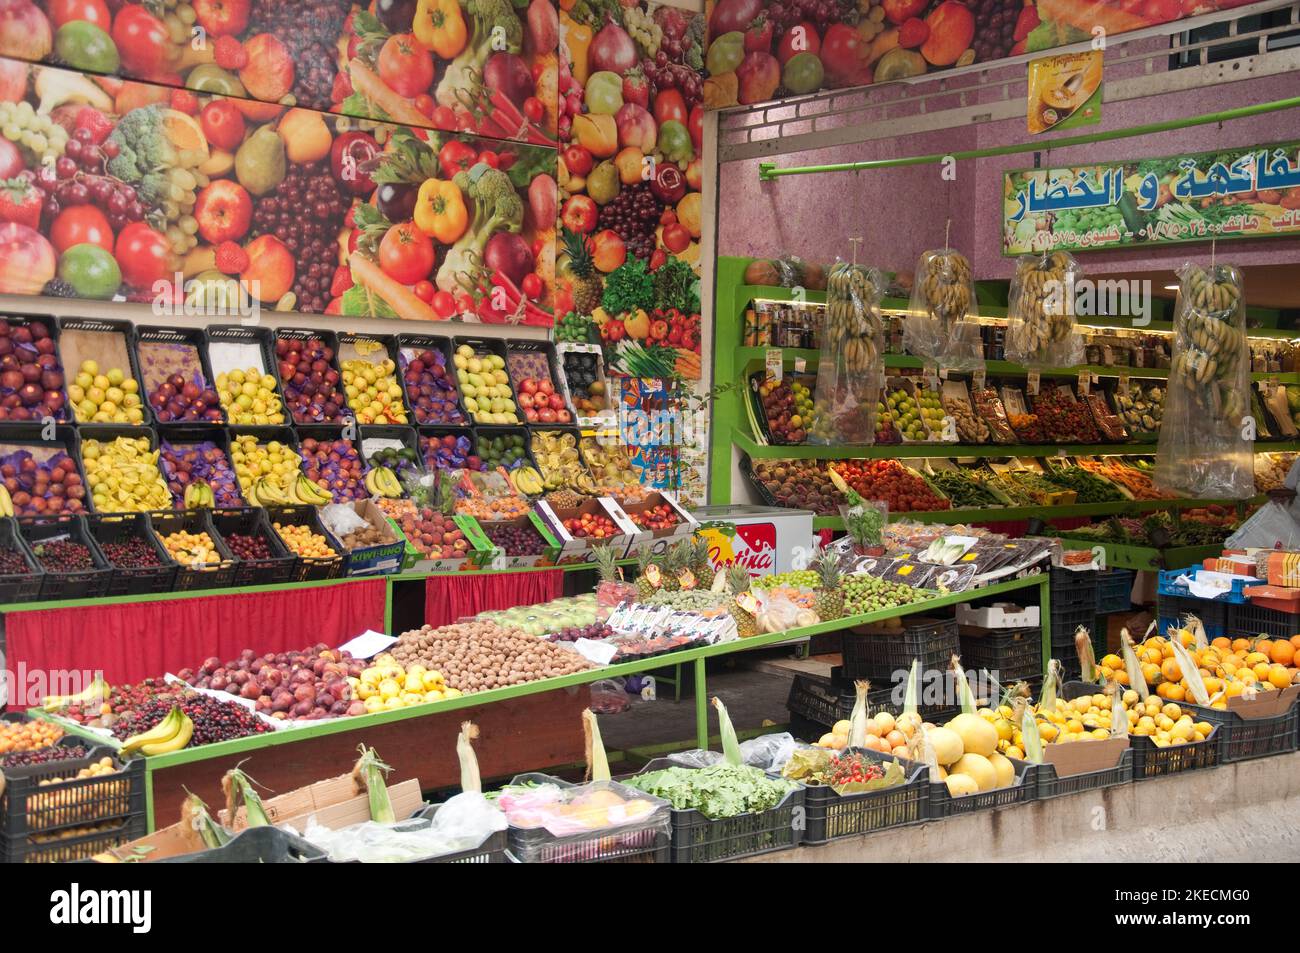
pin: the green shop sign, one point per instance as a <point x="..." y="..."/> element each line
<point x="1237" y="193"/>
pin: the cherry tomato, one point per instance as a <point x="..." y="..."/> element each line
<point x="405" y="66"/>
<point x="92" y="11"/>
<point x="78" y="224"/>
<point x="531" y="286"/>
<point x="424" y="290"/>
<point x="444" y="304"/>
<point x="444" y="117"/>
<point x="406" y="254"/>
<point x="489" y="158"/>
<point x="425" y="104"/>
<point x="142" y="255"/>
<point x="534" y="109"/>
<point x="141" y="39"/>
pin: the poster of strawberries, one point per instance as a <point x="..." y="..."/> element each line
<point x="486" y="67"/>
<point x="120" y="190"/>
<point x="630" y="173"/>
<point x="760" y="50"/>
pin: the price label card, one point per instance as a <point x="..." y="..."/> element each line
<point x="1085" y="383"/>
<point x="977" y="379"/>
<point x="1031" y="383"/>
<point x="931" y="374"/>
<point x="799" y="365"/>
<point x="775" y="365"/>
<point x="1124" y="384"/>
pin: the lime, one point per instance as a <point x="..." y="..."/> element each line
<point x="92" y="271"/>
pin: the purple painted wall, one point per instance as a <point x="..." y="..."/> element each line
<point x="901" y="212"/>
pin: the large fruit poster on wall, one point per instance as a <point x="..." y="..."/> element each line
<point x="119" y="190"/>
<point x="487" y="67"/>
<point x="760" y="50"/>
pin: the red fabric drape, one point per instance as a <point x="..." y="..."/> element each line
<point x="137" y="640"/>
<point x="448" y="598"/>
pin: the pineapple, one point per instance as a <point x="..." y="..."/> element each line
<point x="587" y="284"/>
<point x="741" y="606"/>
<point x="829" y="603"/>
<point x="701" y="564"/>
<point x="649" y="579"/>
<point x="606" y="564"/>
<point x="672" y="568"/>
<point x="683" y="556"/>
<point x="611" y="590"/>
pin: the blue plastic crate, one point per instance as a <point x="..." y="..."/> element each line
<point x="1169" y="586"/>
<point x="1212" y="613"/>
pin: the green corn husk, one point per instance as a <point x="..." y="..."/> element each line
<point x="1087" y="658"/>
<point x="928" y="756"/>
<point x="1029" y="732"/>
<point x="1193" y="624"/>
<point x="368" y="774"/>
<point x="730" y="746"/>
<point x="965" y="697"/>
<point x="195" y="812"/>
<point x="1131" y="665"/>
<point x="239" y="787"/>
<point x="470" y="781"/>
<point x="1047" y="697"/>
<point x="913" y="689"/>
<point x="597" y="761"/>
<point x="858" y="718"/>
<point x="1192" y="674"/>
<point x="1118" y="720"/>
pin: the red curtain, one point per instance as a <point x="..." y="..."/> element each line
<point x="448" y="598"/>
<point x="132" y="641"/>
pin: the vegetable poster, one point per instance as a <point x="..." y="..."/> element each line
<point x="129" y="191"/>
<point x="1250" y="192"/>
<point x="487" y="68"/>
<point x="759" y="50"/>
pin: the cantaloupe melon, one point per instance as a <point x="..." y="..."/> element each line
<point x="978" y="768"/>
<point x="842" y="727"/>
<point x="946" y="743"/>
<point x="960" y="785"/>
<point x="977" y="735"/>
<point x="1005" y="770"/>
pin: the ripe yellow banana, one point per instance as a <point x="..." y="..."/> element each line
<point x="184" y="732"/>
<point x="162" y="731"/>
<point x="6" y="502"/>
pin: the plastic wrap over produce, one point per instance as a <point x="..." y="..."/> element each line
<point x="850" y="374"/>
<point x="1040" y="312"/>
<point x="940" y="327"/>
<point x="1206" y="448"/>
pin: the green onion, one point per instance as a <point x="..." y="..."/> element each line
<point x="597" y="761"/>
<point x="469" y="776"/>
<point x="730" y="746"/>
<point x="368" y="774"/>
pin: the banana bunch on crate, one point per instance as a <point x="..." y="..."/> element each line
<point x="854" y="327"/>
<point x="1212" y="342"/>
<point x="1046" y="305"/>
<point x="946" y="285"/>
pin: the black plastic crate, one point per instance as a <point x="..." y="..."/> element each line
<point x="491" y="851"/>
<point x="370" y="433"/>
<point x="1021" y="791"/>
<point x="262" y="436"/>
<point x="152" y="378"/>
<point x="189" y="578"/>
<point x="111" y="528"/>
<point x="1242" y="739"/>
<point x="106" y="434"/>
<point x="426" y="434"/>
<point x="1013" y="654"/>
<point x="81" y="584"/>
<point x="256" y="845"/>
<point x="1213" y="614"/>
<point x="252" y="521"/>
<point x="29" y="438"/>
<point x="819" y="702"/>
<point x="62" y="847"/>
<point x="1114" y="590"/>
<point x="31" y="805"/>
<point x="104" y="326"/>
<point x="643" y="842"/>
<point x="180" y="437"/>
<point x="330" y="341"/>
<point x="1250" y="621"/>
<point x="51" y="326"/>
<point x="829" y="816"/>
<point x="388" y="344"/>
<point x="878" y="655"/>
<point x="19" y="587"/>
<point x="1050" y="785"/>
<point x="1073" y="590"/>
<point x="263" y="341"/>
<point x="481" y="346"/>
<point x="308" y="568"/>
<point x="332" y="433"/>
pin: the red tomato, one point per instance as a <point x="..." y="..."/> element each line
<point x="81" y="223"/>
<point x="842" y="52"/>
<point x="444" y="304"/>
<point x="405" y="66"/>
<point x="141" y="39"/>
<point x="455" y="156"/>
<point x="489" y="158"/>
<point x="406" y="254"/>
<point x="670" y="104"/>
<point x="92" y="11"/>
<point x="425" y="104"/>
<point x="142" y="254"/>
<point x="676" y="237"/>
<point x="444" y="117"/>
<point x="531" y="286"/>
<point x="424" y="290"/>
<point x="534" y="109"/>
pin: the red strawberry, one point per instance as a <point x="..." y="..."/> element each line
<point x="636" y="89"/>
<point x="342" y="281"/>
<point x="21" y="202"/>
<point x="229" y="53"/>
<point x="1026" y="22"/>
<point x="185" y="101"/>
<point x="88" y="117"/>
<point x="231" y="259"/>
<point x="758" y="36"/>
<point x="913" y="33"/>
<point x="342" y="87"/>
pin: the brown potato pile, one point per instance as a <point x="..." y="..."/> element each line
<point x="477" y="656"/>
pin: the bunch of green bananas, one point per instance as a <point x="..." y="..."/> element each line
<point x="1210" y="343"/>
<point x="854" y="327"/>
<point x="1043" y="302"/>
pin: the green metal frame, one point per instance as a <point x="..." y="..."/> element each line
<point x="767" y="171"/>
<point x="697" y="656"/>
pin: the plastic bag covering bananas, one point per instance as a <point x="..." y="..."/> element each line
<point x="1040" y="316"/>
<point x="1204" y="449"/>
<point x="851" y="365"/>
<point x="936" y="328"/>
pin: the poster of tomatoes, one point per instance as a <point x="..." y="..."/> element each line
<point x="113" y="189"/>
<point x="760" y="50"/>
<point x="486" y="67"/>
<point x="630" y="173"/>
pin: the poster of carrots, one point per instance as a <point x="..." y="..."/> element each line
<point x="128" y="191"/>
<point x="486" y="68"/>
<point x="760" y="50"/>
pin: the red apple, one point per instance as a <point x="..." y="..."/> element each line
<point x="347" y="156"/>
<point x="636" y="127"/>
<point x="270" y="271"/>
<point x="224" y="211"/>
<point x="268" y="76"/>
<point x="222" y="17"/>
<point x="579" y="214"/>
<point x="223" y="124"/>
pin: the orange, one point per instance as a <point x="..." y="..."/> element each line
<point x="1120" y="677"/>
<point x="1233" y="689"/>
<point x="1176" y="692"/>
<point x="1171" y="671"/>
<point x="1247" y="677"/>
<point x="1163" y="689"/>
<point x="1213" y="686"/>
<point x="1254" y="658"/>
<point x="1264" y="646"/>
<point x="1167" y="650"/>
<point x="1150" y="673"/>
<point x="1295" y="642"/>
<point x="1279" y="677"/>
<point x="1283" y="652"/>
<point x="1222" y="643"/>
<point x="1241" y="645"/>
<point x="1186" y="638"/>
<point x="1261" y="671"/>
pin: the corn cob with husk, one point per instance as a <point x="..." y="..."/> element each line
<point x="368" y="775"/>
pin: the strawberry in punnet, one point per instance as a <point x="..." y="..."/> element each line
<point x="88" y="117"/>
<point x="229" y="53"/>
<point x="636" y="89"/>
<point x="231" y="259"/>
<point x="21" y="202"/>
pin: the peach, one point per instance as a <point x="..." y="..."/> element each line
<point x="952" y="28"/>
<point x="269" y="73"/>
<point x="306" y="136"/>
<point x="598" y="134"/>
<point x="270" y="271"/>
